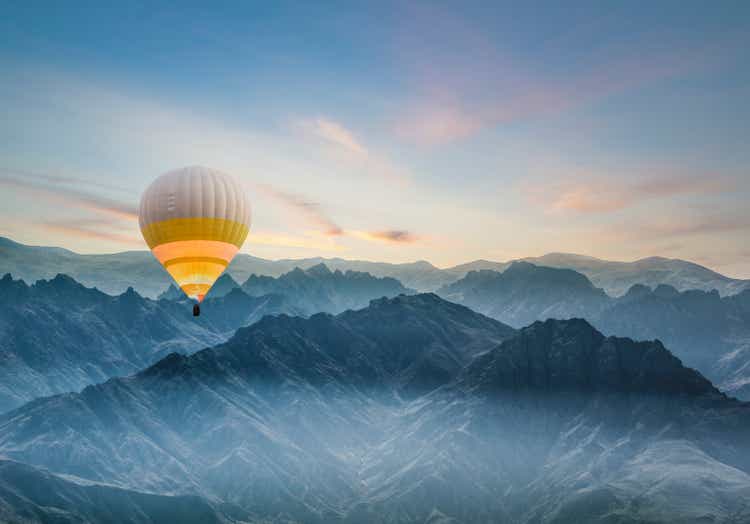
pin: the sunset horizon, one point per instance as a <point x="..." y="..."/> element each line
<point x="393" y="133"/>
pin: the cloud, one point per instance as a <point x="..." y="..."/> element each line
<point x="85" y="230"/>
<point x="596" y="195"/>
<point x="673" y="229"/>
<point x="55" y="188"/>
<point x="310" y="241"/>
<point x="438" y="124"/>
<point x="356" y="158"/>
<point x="698" y="226"/>
<point x="313" y="211"/>
<point x="335" y="133"/>
<point x="60" y="179"/>
<point x="399" y="236"/>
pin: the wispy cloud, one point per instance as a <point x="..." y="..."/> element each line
<point x="438" y="123"/>
<point x="334" y="133"/>
<point x="311" y="210"/>
<point x="55" y="188"/>
<point x="327" y="227"/>
<point x="596" y="195"/>
<point x="398" y="236"/>
<point x="310" y="241"/>
<point x="704" y="225"/>
<point x="356" y="157"/>
<point x="91" y="229"/>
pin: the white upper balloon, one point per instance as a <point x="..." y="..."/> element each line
<point x="193" y="192"/>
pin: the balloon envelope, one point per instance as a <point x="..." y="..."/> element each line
<point x="194" y="220"/>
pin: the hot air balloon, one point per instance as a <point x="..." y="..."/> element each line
<point x="194" y="220"/>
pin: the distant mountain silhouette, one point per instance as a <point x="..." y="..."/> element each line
<point x="524" y="293"/>
<point x="114" y="273"/>
<point x="318" y="289"/>
<point x="617" y="277"/>
<point x="411" y="410"/>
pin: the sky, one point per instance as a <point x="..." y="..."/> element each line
<point x="396" y="132"/>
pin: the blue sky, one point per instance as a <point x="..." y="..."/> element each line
<point x="388" y="131"/>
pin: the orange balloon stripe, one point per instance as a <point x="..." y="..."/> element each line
<point x="195" y="248"/>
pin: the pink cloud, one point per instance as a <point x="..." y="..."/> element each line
<point x="335" y="133"/>
<point x="439" y="124"/>
<point x="311" y="210"/>
<point x="77" y="230"/>
<point x="58" y="189"/>
<point x="398" y="236"/>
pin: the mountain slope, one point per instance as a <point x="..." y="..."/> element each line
<point x="411" y="410"/>
<point x="29" y="495"/>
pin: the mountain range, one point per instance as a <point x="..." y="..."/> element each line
<point x="708" y="331"/>
<point x="57" y="335"/>
<point x="413" y="409"/>
<point x="114" y="273"/>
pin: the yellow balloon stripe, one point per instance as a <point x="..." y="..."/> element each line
<point x="194" y="248"/>
<point x="196" y="228"/>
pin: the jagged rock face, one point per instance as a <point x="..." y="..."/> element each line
<point x="571" y="356"/>
<point x="58" y="335"/>
<point x="318" y="289"/>
<point x="319" y="420"/>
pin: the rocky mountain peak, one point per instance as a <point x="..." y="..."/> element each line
<point x="319" y="270"/>
<point x="571" y="355"/>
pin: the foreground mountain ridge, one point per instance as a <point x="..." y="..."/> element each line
<point x="411" y="409"/>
